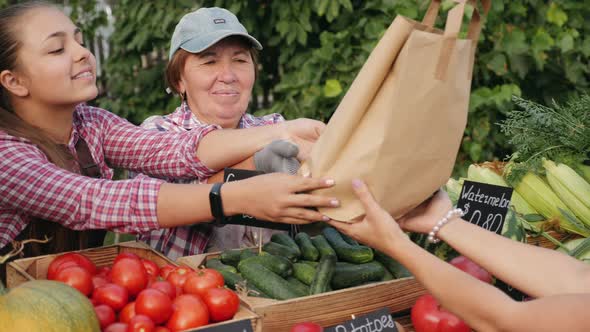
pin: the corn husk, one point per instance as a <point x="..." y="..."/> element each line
<point x="484" y="174"/>
<point x="573" y="190"/>
<point x="542" y="198"/>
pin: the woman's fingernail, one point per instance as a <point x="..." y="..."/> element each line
<point x="356" y="183"/>
<point x="330" y="182"/>
<point x="334" y="202"/>
<point x="325" y="218"/>
<point x="307" y="175"/>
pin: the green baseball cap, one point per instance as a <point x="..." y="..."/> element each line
<point x="204" y="27"/>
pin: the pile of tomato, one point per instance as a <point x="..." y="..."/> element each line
<point x="134" y="294"/>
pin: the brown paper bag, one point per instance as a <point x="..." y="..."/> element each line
<point x="400" y="124"/>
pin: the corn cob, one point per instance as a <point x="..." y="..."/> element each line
<point x="487" y="175"/>
<point x="571" y="188"/>
<point x="540" y="196"/>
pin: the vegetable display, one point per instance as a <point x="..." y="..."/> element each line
<point x="133" y="294"/>
<point x="305" y="265"/>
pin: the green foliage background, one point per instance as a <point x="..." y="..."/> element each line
<point x="313" y="49"/>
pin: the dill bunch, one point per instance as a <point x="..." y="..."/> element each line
<point x="560" y="133"/>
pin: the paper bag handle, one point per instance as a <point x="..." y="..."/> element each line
<point x="452" y="29"/>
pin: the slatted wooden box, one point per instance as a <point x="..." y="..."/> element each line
<point x="329" y="308"/>
<point x="26" y="269"/>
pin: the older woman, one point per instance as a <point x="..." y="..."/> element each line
<point x="212" y="67"/>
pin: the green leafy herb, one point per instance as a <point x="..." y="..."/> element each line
<point x="560" y="133"/>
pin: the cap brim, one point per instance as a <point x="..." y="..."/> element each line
<point x="199" y="44"/>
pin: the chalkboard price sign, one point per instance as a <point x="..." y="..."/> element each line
<point x="376" y="321"/>
<point x="235" y="174"/>
<point x="238" y="326"/>
<point x="485" y="204"/>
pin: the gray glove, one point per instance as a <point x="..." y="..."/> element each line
<point x="278" y="156"/>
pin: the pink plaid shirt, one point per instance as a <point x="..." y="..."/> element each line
<point x="33" y="187"/>
<point x="191" y="240"/>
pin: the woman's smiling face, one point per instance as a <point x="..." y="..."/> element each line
<point x="218" y="82"/>
<point x="55" y="66"/>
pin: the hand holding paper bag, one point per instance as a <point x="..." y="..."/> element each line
<point x="400" y="124"/>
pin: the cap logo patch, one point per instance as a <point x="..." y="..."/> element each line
<point x="219" y="21"/>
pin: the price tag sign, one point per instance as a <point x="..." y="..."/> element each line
<point x="235" y="174"/>
<point x="238" y="326"/>
<point x="376" y="321"/>
<point x="485" y="205"/>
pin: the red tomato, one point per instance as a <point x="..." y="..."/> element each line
<point x="116" y="327"/>
<point x="189" y="311"/>
<point x="178" y="276"/>
<point x="428" y="316"/>
<point x="161" y="329"/>
<point x="165" y="271"/>
<point x="307" y="327"/>
<point x="141" y="323"/>
<point x="126" y="254"/>
<point x="155" y="304"/>
<point x="166" y="288"/>
<point x="76" y="277"/>
<point x="202" y="280"/>
<point x="71" y="257"/>
<point x="98" y="281"/>
<point x="150" y="267"/>
<point x="131" y="274"/>
<point x="127" y="312"/>
<point x="222" y="303"/>
<point x="465" y="264"/>
<point x="105" y="314"/>
<point x="103" y="272"/>
<point x="113" y="295"/>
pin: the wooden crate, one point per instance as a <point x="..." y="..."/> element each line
<point x="326" y="309"/>
<point x="26" y="269"/>
<point x="22" y="270"/>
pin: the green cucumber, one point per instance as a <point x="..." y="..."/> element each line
<point x="323" y="275"/>
<point x="215" y="263"/>
<point x="268" y="282"/>
<point x="324" y="248"/>
<point x="387" y="276"/>
<point x="308" y="250"/>
<point x="233" y="279"/>
<point x="246" y="253"/>
<point x="349" y="240"/>
<point x="398" y="270"/>
<point x="286" y="240"/>
<point x="310" y="263"/>
<point x="301" y="287"/>
<point x="353" y="254"/>
<point x="303" y="272"/>
<point x="281" y="250"/>
<point x="350" y="275"/>
<point x="276" y="264"/>
<point x="231" y="257"/>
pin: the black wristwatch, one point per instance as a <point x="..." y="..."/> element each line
<point x="216" y="204"/>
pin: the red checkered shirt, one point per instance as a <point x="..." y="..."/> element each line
<point x="189" y="240"/>
<point x="33" y="187"/>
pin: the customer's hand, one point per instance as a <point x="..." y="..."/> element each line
<point x="279" y="156"/>
<point x="279" y="198"/>
<point x="426" y="215"/>
<point x="377" y="229"/>
<point x="304" y="133"/>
